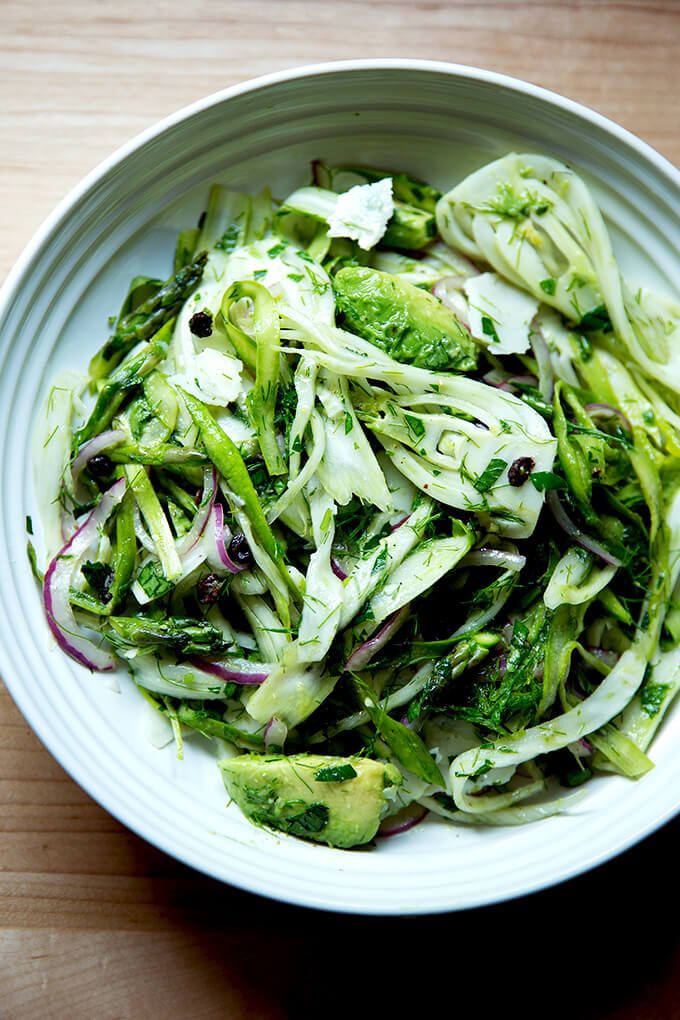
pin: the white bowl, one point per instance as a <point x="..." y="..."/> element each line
<point x="439" y="121"/>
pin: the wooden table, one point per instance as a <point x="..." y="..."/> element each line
<point x="94" y="923"/>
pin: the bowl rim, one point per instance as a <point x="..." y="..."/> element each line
<point x="50" y="227"/>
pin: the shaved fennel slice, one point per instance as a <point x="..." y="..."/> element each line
<point x="348" y="466"/>
<point x="599" y="708"/>
<point x="536" y="222"/>
<point x="499" y="425"/>
<point x="418" y="572"/>
<point x="576" y="579"/>
<point x="292" y="691"/>
<point x="51" y="453"/>
<point x="323" y="596"/>
<point x="500" y="314"/>
<point x="653" y="336"/>
<point x="371" y="572"/>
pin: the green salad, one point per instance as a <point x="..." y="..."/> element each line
<point x="379" y="493"/>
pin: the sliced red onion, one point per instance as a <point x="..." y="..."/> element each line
<point x="337" y="569"/>
<point x="58" y="579"/>
<point x="449" y="290"/>
<point x="494" y="558"/>
<point x="94" y="446"/>
<point x="202" y="515"/>
<point x="218" y="539"/>
<point x="364" y="652"/>
<point x="403" y="820"/>
<point x="575" y="533"/>
<point x="608" y="411"/>
<point x="546" y="379"/>
<point x="504" y="381"/>
<point x="237" y="671"/>
<point x="275" y="733"/>
<point x="399" y="523"/>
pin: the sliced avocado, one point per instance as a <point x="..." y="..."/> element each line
<point x="339" y="801"/>
<point x="409" y="324"/>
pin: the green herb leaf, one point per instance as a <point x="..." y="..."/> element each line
<point x="652" y="697"/>
<point x="415" y="425"/>
<point x="548" y="285"/>
<point x="596" y="321"/>
<point x="489" y="329"/>
<point x="335" y="773"/>
<point x="490" y="474"/>
<point x="153" y="580"/>
<point x="546" y="481"/>
<point x="380" y="560"/>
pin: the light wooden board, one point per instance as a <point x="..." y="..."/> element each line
<point x="96" y="923"/>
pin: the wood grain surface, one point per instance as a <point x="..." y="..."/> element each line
<point x="95" y="923"/>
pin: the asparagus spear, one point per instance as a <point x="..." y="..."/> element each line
<point x="183" y="634"/>
<point x="147" y="318"/>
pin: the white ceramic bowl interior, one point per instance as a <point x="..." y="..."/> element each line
<point x="439" y="122"/>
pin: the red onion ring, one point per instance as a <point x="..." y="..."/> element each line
<point x="403" y="820"/>
<point x="575" y="533"/>
<point x="337" y="570"/>
<point x="608" y="411"/>
<point x="220" y="537"/>
<point x="104" y="441"/>
<point x="237" y="671"/>
<point x="364" y="652"/>
<point x="57" y="585"/>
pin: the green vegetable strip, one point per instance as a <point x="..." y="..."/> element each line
<point x="617" y="753"/>
<point x="185" y="249"/>
<point x="198" y="719"/>
<point x="244" y="345"/>
<point x="126" y="553"/>
<point x="262" y="398"/>
<point x="115" y="389"/>
<point x="148" y="318"/>
<point x="156" y="521"/>
<point x="226" y="220"/>
<point x="141" y="289"/>
<point x="261" y="216"/>
<point x="405" y="744"/>
<point x="228" y="461"/>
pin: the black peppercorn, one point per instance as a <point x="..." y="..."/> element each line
<point x="239" y="551"/>
<point x="100" y="466"/>
<point x="520" y="469"/>
<point x="201" y="324"/>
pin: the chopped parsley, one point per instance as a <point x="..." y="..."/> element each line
<point x="490" y="475"/>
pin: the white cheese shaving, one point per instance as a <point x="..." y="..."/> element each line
<point x="509" y="309"/>
<point x="362" y="213"/>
